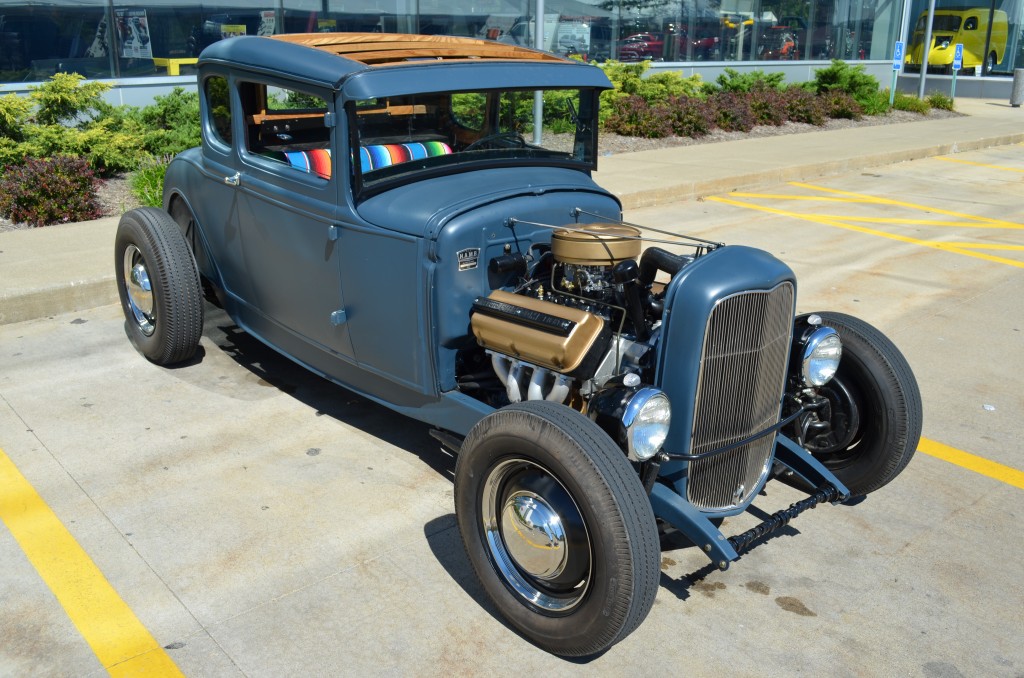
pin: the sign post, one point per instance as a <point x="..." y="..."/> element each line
<point x="958" y="63"/>
<point x="897" y="64"/>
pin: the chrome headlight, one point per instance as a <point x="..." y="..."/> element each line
<point x="821" y="356"/>
<point x="646" y="421"/>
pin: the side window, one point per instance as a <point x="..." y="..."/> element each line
<point x="288" y="127"/>
<point x="218" y="103"/>
<point x="971" y="24"/>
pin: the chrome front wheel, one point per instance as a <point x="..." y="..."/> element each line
<point x="557" y="527"/>
<point x="139" y="290"/>
<point x="536" y="535"/>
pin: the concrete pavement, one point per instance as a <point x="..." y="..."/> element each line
<point x="66" y="268"/>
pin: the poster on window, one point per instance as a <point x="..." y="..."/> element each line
<point x="268" y="20"/>
<point x="231" y="30"/>
<point x="133" y="34"/>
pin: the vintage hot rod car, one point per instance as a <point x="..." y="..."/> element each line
<point x="367" y="205"/>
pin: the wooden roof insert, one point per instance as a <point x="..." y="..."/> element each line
<point x="380" y="49"/>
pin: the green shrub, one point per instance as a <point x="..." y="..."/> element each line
<point x="690" y="116"/>
<point x="65" y="99"/>
<point x="940" y="101"/>
<point x="734" y="81"/>
<point x="111" y="149"/>
<point x="147" y="182"/>
<point x="906" y="102"/>
<point x="51" y="191"/>
<point x="877" y="104"/>
<point x="172" y="123"/>
<point x="853" y="80"/>
<point x="11" y="153"/>
<point x="14" y="115"/>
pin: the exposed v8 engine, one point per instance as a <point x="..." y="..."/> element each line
<point x="586" y="312"/>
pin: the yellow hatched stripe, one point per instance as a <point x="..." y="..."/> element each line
<point x="870" y="231"/>
<point x="973" y="462"/>
<point x="900" y="203"/>
<point x="979" y="164"/>
<point x="121" y="643"/>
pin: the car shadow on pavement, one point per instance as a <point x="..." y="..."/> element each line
<point x="327" y="398"/>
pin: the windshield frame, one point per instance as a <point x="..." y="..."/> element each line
<point x="457" y="137"/>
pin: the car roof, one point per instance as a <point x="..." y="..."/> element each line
<point x="398" y="61"/>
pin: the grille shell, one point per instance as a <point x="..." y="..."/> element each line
<point x="742" y="376"/>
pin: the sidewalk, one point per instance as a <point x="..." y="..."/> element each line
<point x="59" y="269"/>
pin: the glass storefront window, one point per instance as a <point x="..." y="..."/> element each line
<point x="117" y="39"/>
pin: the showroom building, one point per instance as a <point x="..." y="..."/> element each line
<point x="148" y="47"/>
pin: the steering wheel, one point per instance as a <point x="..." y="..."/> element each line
<point x="514" y="137"/>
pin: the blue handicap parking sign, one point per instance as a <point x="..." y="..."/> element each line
<point x="958" y="57"/>
<point x="897" y="56"/>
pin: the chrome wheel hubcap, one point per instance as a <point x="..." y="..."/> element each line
<point x="139" y="290"/>
<point x="536" y="535"/>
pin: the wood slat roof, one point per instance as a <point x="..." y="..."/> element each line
<point x="381" y="49"/>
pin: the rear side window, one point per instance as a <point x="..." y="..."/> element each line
<point x="288" y="127"/>
<point x="218" y="103"/>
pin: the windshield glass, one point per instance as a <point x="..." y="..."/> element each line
<point x="942" y="22"/>
<point x="403" y="138"/>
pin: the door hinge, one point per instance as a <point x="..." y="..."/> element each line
<point x="333" y="232"/>
<point x="329" y="120"/>
<point x="339" y="317"/>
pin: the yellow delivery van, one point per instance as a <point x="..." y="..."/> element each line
<point x="966" y="26"/>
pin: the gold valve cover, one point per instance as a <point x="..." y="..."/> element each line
<point x="518" y="339"/>
<point x="602" y="245"/>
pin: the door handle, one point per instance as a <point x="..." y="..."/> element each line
<point x="233" y="180"/>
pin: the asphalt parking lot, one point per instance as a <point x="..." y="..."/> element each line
<point x="239" y="516"/>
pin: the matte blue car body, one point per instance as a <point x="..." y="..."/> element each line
<point x="369" y="294"/>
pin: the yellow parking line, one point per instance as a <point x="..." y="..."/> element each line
<point x="889" y="201"/>
<point x="871" y="231"/>
<point x="909" y="222"/>
<point x="980" y="246"/>
<point x="786" y="196"/>
<point x="985" y="467"/>
<point x="120" y="641"/>
<point x="980" y="164"/>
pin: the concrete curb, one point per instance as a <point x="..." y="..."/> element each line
<point x="690" y="190"/>
<point x="75" y="295"/>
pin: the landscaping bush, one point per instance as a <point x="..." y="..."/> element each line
<point x="735" y="81"/>
<point x="14" y="114"/>
<point x="940" y="101"/>
<point x="51" y="191"/>
<point x="171" y="123"/>
<point x="64" y="98"/>
<point x="147" y="182"/>
<point x="768" y="106"/>
<point x="853" y="80"/>
<point x="841" y="105"/>
<point x="691" y="117"/>
<point x="732" y="112"/>
<point x="806" y="107"/>
<point x="629" y="81"/>
<point x="634" y="117"/>
<point x="906" y="102"/>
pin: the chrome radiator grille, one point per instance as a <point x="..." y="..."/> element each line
<point x="743" y="365"/>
